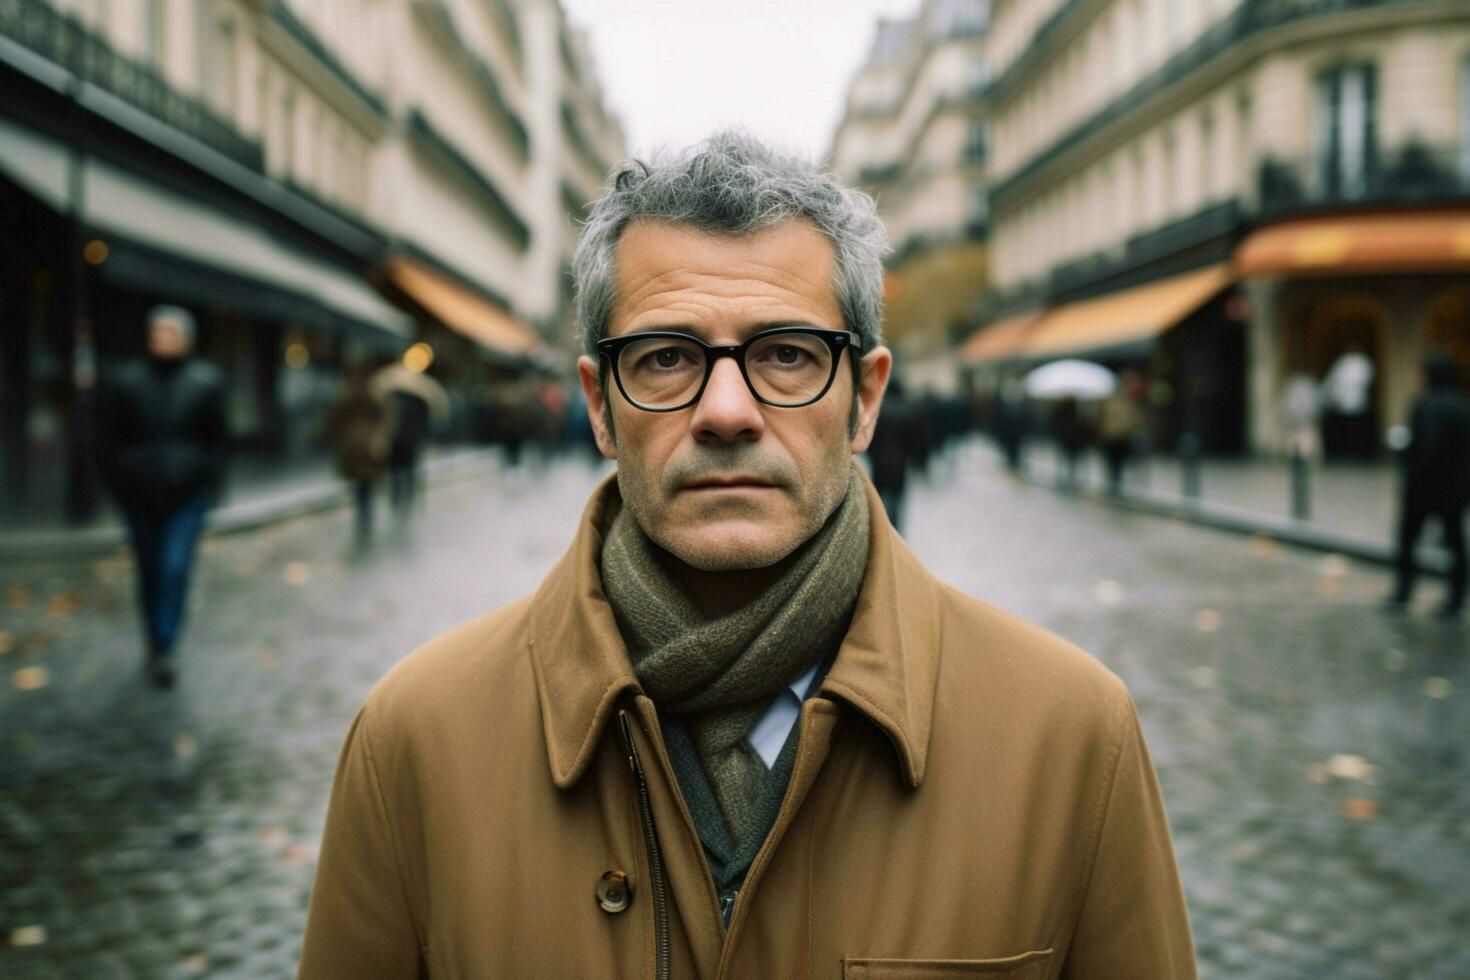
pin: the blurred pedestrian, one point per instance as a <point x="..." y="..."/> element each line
<point x="1301" y="415"/>
<point x="1011" y="421"/>
<point x="1436" y="480"/>
<point x="163" y="442"/>
<point x="417" y="401"/>
<point x="359" y="427"/>
<point x="740" y="729"/>
<point x="1069" y="432"/>
<point x="1347" y="393"/>
<point x="1119" y="420"/>
<point x="898" y="444"/>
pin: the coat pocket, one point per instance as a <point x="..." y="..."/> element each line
<point x="1027" y="966"/>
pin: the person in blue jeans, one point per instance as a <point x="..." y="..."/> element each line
<point x="163" y="443"/>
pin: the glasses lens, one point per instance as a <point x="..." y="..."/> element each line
<point x="789" y="368"/>
<point x="661" y="372"/>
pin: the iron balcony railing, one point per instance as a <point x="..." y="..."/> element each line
<point x="1415" y="173"/>
<point x="65" y="43"/>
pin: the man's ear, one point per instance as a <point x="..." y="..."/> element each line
<point x="877" y="365"/>
<point x="598" y="411"/>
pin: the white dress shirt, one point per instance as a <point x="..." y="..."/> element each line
<point x="769" y="734"/>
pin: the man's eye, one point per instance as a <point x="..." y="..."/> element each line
<point x="788" y="355"/>
<point x="669" y="357"/>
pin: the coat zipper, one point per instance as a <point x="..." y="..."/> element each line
<point x="655" y="856"/>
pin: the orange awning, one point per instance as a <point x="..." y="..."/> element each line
<point x="998" y="340"/>
<point x="461" y="310"/>
<point x="1425" y="241"/>
<point x="1124" y="317"/>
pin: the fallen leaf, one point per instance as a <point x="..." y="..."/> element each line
<point x="1438" y="688"/>
<point x="1358" y="807"/>
<point x="30" y="678"/>
<point x="1271" y="943"/>
<point x="186" y="746"/>
<point x="27" y="936"/>
<point x="296" y="573"/>
<point x="1245" y="850"/>
<point x="63" y="604"/>
<point x="1353" y="767"/>
<point x="109" y="570"/>
<point x="37" y="641"/>
<point x="1207" y="620"/>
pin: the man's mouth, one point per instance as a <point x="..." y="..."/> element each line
<point x="738" y="482"/>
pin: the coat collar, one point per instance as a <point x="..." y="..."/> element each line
<point x="886" y="667"/>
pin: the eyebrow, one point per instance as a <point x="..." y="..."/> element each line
<point x="685" y="328"/>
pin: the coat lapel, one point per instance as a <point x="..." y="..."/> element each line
<point x="886" y="667"/>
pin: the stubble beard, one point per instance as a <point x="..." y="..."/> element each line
<point x="649" y="506"/>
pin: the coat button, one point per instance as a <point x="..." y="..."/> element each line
<point x="614" y="891"/>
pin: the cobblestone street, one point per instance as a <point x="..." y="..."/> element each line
<point x="1312" y="749"/>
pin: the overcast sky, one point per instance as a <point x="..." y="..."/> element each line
<point x="674" y="70"/>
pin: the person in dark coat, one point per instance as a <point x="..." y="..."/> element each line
<point x="163" y="443"/>
<point x="1436" y="475"/>
<point x="360" y="426"/>
<point x="1069" y="430"/>
<point x="898" y="442"/>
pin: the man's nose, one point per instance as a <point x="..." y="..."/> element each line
<point x="727" y="411"/>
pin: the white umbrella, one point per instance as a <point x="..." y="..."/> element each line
<point x="1071" y="378"/>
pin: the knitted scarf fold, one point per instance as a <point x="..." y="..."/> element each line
<point x="718" y="676"/>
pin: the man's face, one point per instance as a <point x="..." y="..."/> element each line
<point x="780" y="471"/>
<point x="167" y="340"/>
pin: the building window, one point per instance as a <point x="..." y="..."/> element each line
<point x="1169" y="182"/>
<point x="221" y="66"/>
<point x="975" y="141"/>
<point x="1347" y="111"/>
<point x="154" y="33"/>
<point x="1207" y="157"/>
<point x="288" y="132"/>
<point x="1465" y="120"/>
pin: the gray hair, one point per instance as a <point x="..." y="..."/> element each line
<point x="181" y="318"/>
<point x="733" y="184"/>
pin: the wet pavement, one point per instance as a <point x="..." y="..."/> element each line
<point x="1311" y="748"/>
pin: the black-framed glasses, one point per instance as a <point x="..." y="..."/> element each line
<point x="786" y="367"/>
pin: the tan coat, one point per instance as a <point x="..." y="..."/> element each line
<point x="971" y="797"/>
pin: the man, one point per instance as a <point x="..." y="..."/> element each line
<point x="898" y="442"/>
<point x="163" y="441"/>
<point x="1436" y="481"/>
<point x="740" y="731"/>
<point x="360" y="427"/>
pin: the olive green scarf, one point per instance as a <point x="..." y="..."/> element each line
<point x="718" y="676"/>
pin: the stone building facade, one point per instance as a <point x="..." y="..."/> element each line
<point x="914" y="136"/>
<point x="1225" y="193"/>
<point x="318" y="180"/>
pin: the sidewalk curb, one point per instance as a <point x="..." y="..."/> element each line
<point x="1237" y="520"/>
<point x="236" y="518"/>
